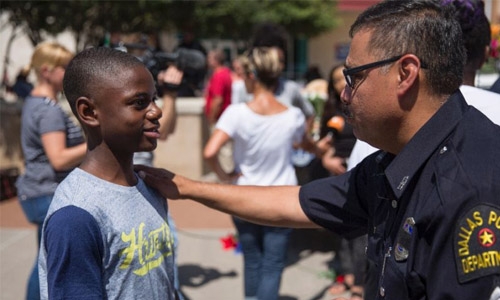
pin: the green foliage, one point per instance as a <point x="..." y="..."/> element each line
<point x="91" y="19"/>
<point x="237" y="18"/>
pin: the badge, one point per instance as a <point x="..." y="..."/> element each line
<point x="476" y="243"/>
<point x="403" y="240"/>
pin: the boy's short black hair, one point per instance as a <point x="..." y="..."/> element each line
<point x="90" y="67"/>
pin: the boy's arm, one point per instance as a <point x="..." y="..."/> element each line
<point x="269" y="205"/>
<point x="74" y="255"/>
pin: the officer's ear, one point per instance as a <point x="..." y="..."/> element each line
<point x="86" y="112"/>
<point x="408" y="73"/>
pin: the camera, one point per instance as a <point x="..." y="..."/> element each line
<point x="186" y="60"/>
<point x="189" y="60"/>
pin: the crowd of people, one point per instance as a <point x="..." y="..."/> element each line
<point x="389" y="161"/>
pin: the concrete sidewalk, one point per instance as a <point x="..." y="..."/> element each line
<point x="206" y="270"/>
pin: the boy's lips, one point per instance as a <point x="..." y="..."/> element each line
<point x="152" y="132"/>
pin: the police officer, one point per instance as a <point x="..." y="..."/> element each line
<point x="430" y="199"/>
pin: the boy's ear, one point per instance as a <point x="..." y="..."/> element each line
<point x="86" y="111"/>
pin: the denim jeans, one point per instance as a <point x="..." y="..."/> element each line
<point x="35" y="210"/>
<point x="264" y="254"/>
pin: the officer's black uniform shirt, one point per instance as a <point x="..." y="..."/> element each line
<point x="432" y="213"/>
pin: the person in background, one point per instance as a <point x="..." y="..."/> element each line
<point x="22" y="87"/>
<point x="428" y="200"/>
<point x="193" y="80"/>
<point x="263" y="132"/>
<point x="333" y="123"/>
<point x="123" y="247"/>
<point x="218" y="89"/>
<point x="239" y="92"/>
<point x="51" y="142"/>
<point x="476" y="32"/>
<point x="351" y="252"/>
<point x="289" y="93"/>
<point x="217" y="99"/>
<point x="311" y="74"/>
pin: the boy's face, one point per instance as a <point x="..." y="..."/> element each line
<point x="127" y="112"/>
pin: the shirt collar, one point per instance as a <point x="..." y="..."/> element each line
<point x="403" y="167"/>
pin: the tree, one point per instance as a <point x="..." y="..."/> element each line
<point x="89" y="20"/>
<point x="236" y="19"/>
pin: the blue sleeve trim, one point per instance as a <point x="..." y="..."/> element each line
<point x="74" y="247"/>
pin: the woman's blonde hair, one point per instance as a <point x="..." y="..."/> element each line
<point x="51" y="55"/>
<point x="264" y="63"/>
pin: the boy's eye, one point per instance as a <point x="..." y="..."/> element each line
<point x="141" y="103"/>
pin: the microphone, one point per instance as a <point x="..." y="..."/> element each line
<point x="336" y="124"/>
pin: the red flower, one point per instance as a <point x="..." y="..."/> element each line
<point x="229" y="242"/>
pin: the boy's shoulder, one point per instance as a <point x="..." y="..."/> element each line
<point x="89" y="192"/>
<point x="76" y="189"/>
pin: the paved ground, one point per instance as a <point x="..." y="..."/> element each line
<point x="206" y="270"/>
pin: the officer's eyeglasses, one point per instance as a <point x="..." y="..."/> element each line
<point x="349" y="72"/>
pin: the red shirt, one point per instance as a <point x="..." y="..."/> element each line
<point x="219" y="85"/>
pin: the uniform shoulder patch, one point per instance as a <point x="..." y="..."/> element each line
<point x="476" y="243"/>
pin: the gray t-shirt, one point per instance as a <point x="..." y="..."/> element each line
<point x="289" y="93"/>
<point x="39" y="116"/>
<point x="129" y="235"/>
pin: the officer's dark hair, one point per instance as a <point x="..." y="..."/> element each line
<point x="476" y="30"/>
<point x="92" y="66"/>
<point x="421" y="27"/>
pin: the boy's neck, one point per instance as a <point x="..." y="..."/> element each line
<point x="114" y="170"/>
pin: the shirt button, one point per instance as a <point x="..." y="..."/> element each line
<point x="394" y="203"/>
<point x="382" y="291"/>
<point x="443" y="150"/>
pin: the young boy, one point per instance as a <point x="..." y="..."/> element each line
<point x="106" y="234"/>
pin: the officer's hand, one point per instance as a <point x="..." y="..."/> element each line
<point x="162" y="180"/>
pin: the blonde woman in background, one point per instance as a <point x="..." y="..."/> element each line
<point x="52" y="143"/>
<point x="263" y="132"/>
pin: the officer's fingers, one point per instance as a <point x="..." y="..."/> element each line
<point x="159" y="179"/>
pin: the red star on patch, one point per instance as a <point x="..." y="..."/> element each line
<point x="486" y="237"/>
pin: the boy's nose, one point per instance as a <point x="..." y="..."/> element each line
<point x="154" y="112"/>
